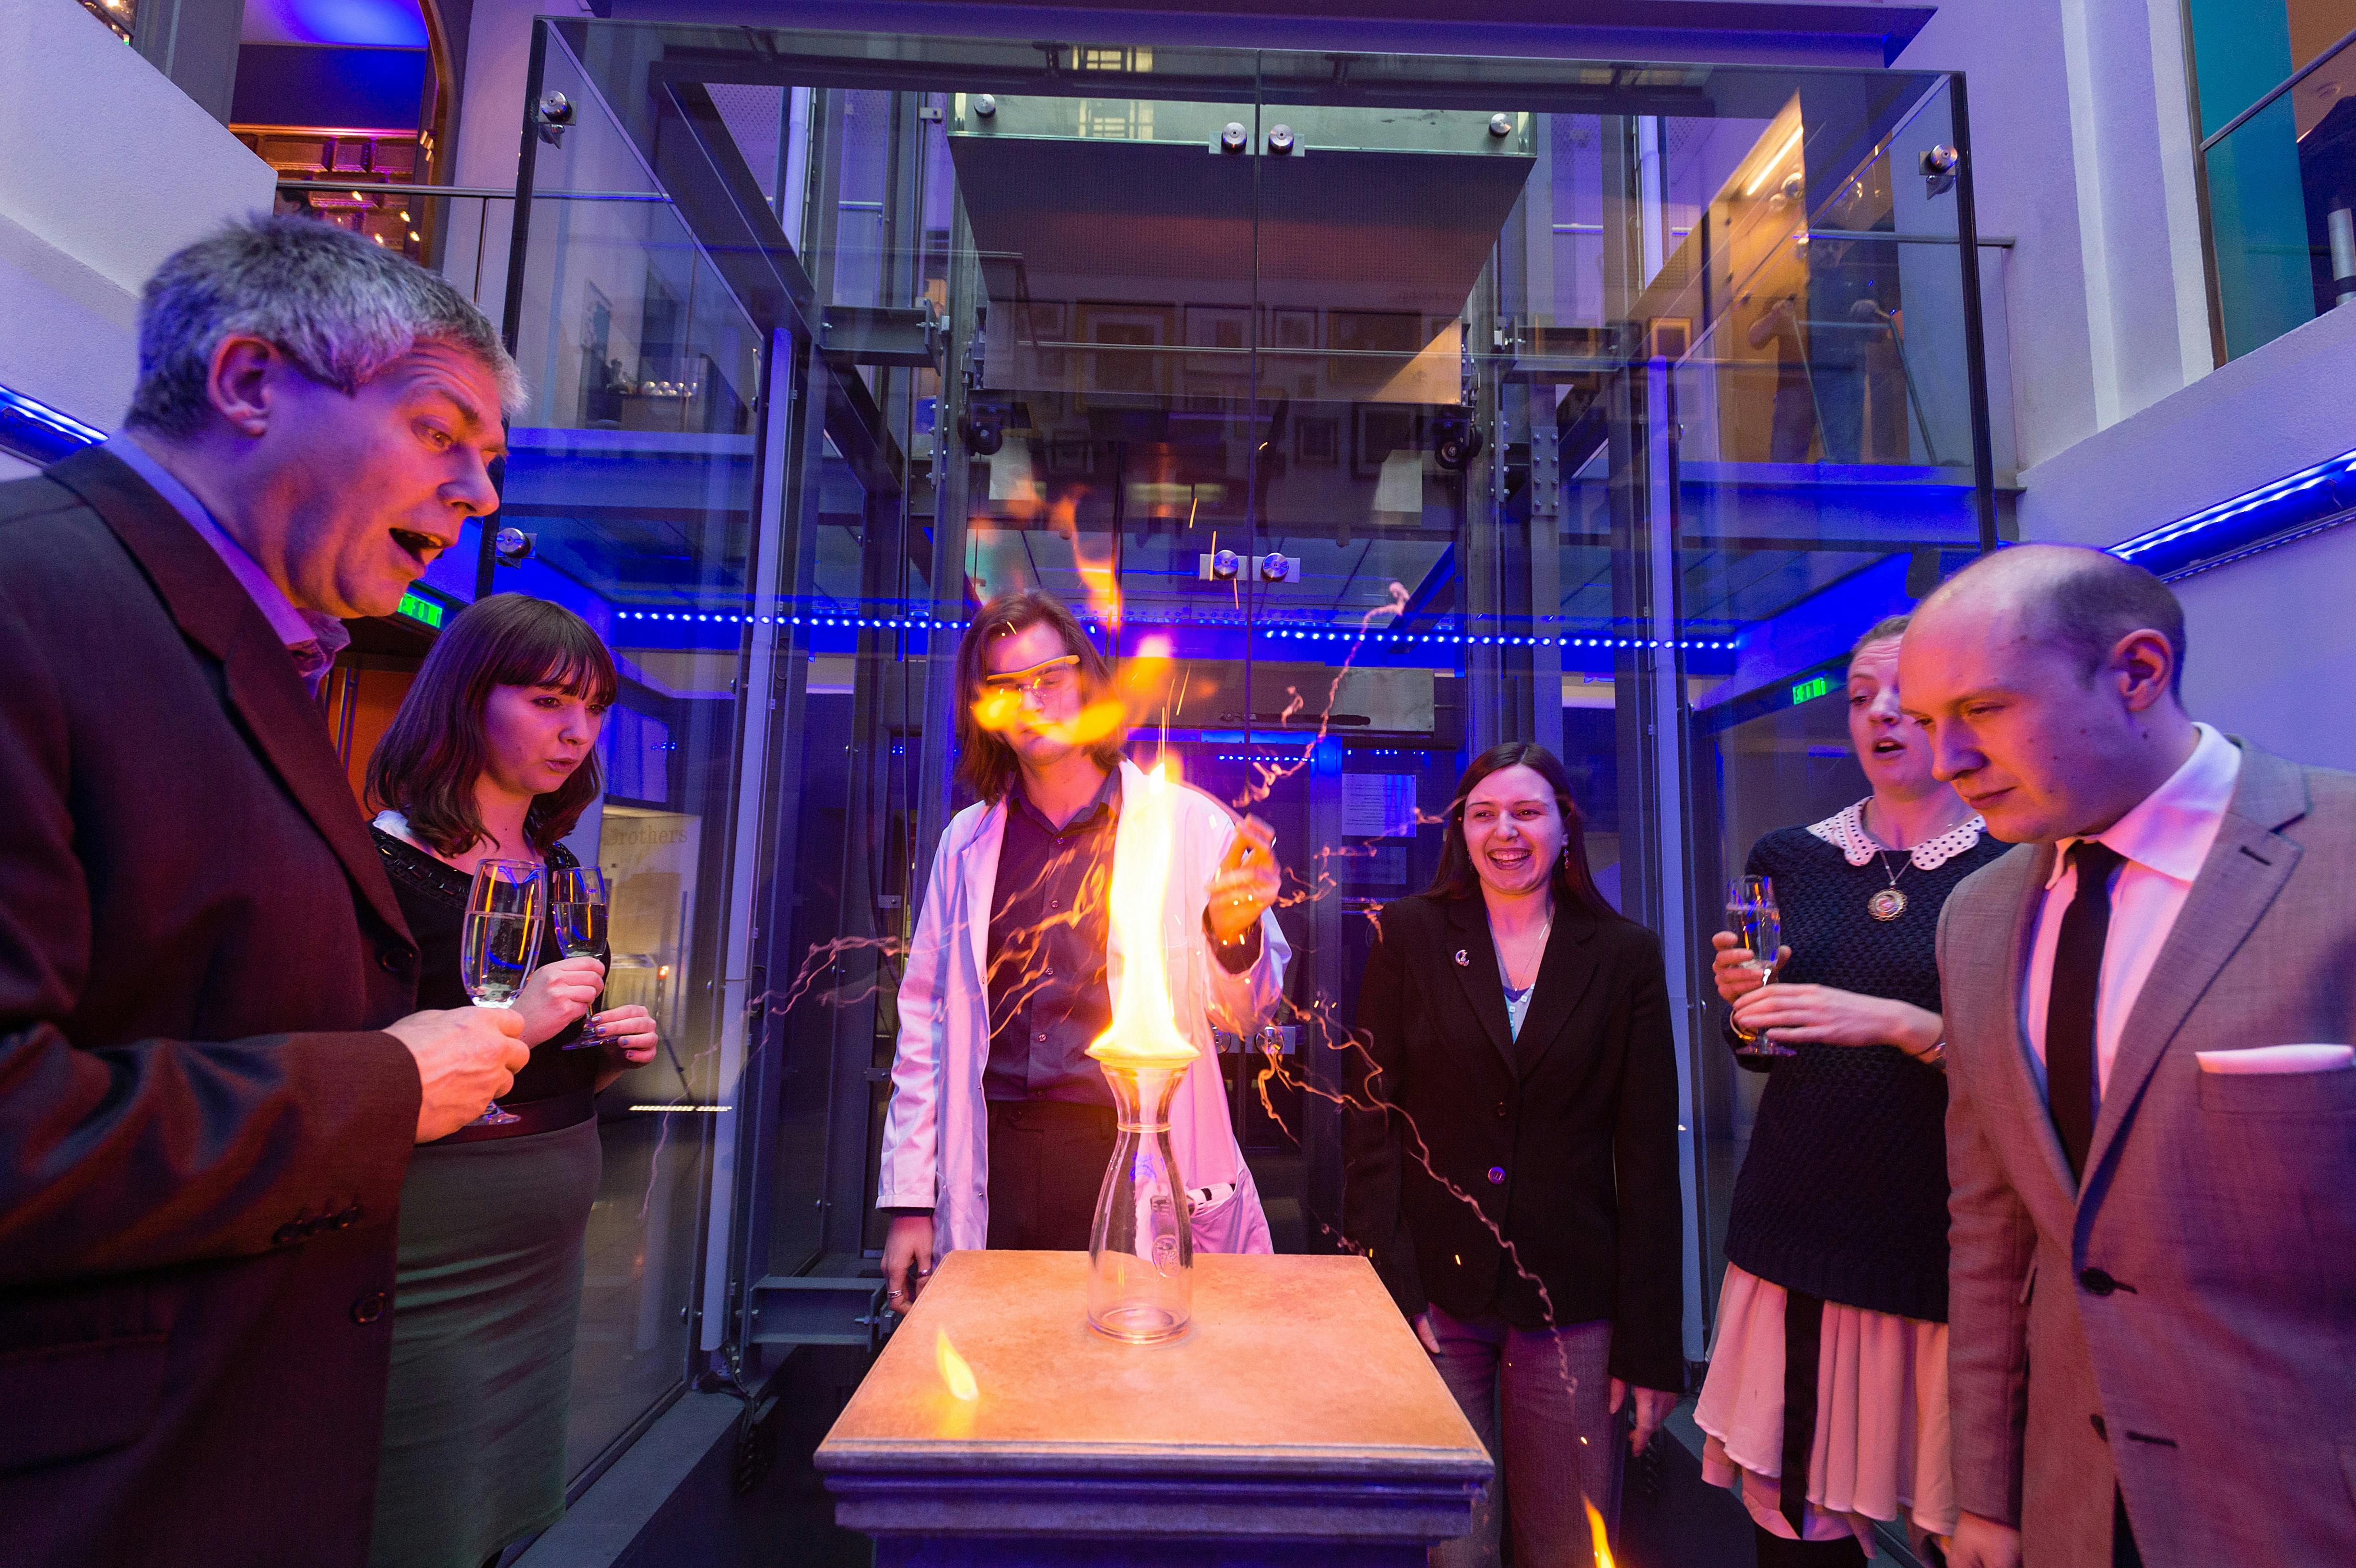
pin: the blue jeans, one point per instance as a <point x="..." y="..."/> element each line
<point x="1540" y="1400"/>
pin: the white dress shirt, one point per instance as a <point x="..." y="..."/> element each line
<point x="295" y="627"/>
<point x="2163" y="840"/>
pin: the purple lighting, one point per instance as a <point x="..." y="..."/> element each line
<point x="377" y="24"/>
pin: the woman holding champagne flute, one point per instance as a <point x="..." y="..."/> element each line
<point x="488" y="764"/>
<point x="1825" y="1404"/>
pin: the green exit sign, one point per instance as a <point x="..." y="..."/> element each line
<point x="1809" y="690"/>
<point x="429" y="612"/>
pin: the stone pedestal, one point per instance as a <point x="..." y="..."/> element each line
<point x="1297" y="1422"/>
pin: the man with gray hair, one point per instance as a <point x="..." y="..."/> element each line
<point x="2151" y="1114"/>
<point x="210" y="1071"/>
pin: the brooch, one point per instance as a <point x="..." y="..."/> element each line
<point x="1463" y="959"/>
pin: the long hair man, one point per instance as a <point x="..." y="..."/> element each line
<point x="1001" y="1125"/>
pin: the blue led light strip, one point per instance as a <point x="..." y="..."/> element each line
<point x="1377" y="638"/>
<point x="34" y="431"/>
<point x="2293" y="506"/>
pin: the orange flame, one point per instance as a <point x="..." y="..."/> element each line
<point x="1602" y="1540"/>
<point x="955" y="1372"/>
<point x="1142" y="686"/>
<point x="1101" y="578"/>
<point x="1144" y="1027"/>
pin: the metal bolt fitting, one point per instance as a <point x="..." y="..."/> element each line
<point x="1280" y="138"/>
<point x="1501" y="124"/>
<point x="985" y="105"/>
<point x="1233" y="138"/>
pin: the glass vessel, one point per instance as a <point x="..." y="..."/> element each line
<point x="500" y="945"/>
<point x="1140" y="1248"/>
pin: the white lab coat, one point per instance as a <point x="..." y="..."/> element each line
<point x="936" y="1135"/>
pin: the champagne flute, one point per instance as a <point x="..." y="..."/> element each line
<point x="1753" y="915"/>
<point x="579" y="899"/>
<point x="499" y="947"/>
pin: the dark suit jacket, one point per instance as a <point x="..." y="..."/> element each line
<point x="1564" y="1139"/>
<point x="201" y="1140"/>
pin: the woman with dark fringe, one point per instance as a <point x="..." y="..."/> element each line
<point x="492" y="757"/>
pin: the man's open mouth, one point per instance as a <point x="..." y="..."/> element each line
<point x="425" y="547"/>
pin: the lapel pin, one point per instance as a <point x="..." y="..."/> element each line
<point x="1463" y="959"/>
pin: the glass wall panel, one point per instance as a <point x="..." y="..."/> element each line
<point x="1416" y="403"/>
<point x="632" y="474"/>
<point x="2281" y="186"/>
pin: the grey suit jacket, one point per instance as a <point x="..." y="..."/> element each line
<point x="2185" y="1325"/>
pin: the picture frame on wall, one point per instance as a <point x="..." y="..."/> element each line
<point x="1224" y="331"/>
<point x="1291" y="331"/>
<point x="1131" y="334"/>
<point x="1046" y="322"/>
<point x="1378" y="430"/>
<point x="1317" y="442"/>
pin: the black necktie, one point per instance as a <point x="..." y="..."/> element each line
<point x="2070" y="1081"/>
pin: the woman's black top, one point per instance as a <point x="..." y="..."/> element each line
<point x="433" y="897"/>
<point x="1561" y="1140"/>
<point x="1844" y="1192"/>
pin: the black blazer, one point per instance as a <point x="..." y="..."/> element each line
<point x="1564" y="1139"/>
<point x="201" y="1139"/>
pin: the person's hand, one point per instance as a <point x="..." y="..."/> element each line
<point x="907" y="1260"/>
<point x="1247" y="883"/>
<point x="627" y="1035"/>
<point x="1789" y="1014"/>
<point x="467" y="1058"/>
<point x="1653" y="1407"/>
<point x="625" y="1039"/>
<point x="1424" y="1331"/>
<point x="1983" y="1543"/>
<point x="1736" y="967"/>
<point x="556" y="994"/>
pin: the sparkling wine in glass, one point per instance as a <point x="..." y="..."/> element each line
<point x="506" y="909"/>
<point x="579" y="897"/>
<point x="1753" y="915"/>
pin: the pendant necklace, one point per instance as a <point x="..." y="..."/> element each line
<point x="1890" y="902"/>
<point x="1515" y="993"/>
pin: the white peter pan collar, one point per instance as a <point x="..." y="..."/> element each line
<point x="1845" y="830"/>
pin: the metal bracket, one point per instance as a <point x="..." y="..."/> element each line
<point x="884" y="335"/>
<point x="815" y="1309"/>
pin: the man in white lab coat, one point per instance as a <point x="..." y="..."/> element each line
<point x="1000" y="1126"/>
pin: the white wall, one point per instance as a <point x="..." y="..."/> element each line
<point x="489" y="142"/>
<point x="2082" y="133"/>
<point x="83" y="225"/>
<point x="2271" y="638"/>
<point x="2082" y="153"/>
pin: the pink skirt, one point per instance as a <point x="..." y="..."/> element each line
<point x="1882" y="1444"/>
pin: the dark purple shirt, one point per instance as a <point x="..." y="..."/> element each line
<point x="1049" y="926"/>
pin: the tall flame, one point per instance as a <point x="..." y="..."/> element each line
<point x="1144" y="1029"/>
<point x="1602" y="1540"/>
<point x="955" y="1372"/>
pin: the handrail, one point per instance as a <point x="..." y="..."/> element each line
<point x="487" y="192"/>
<point x="2301" y="74"/>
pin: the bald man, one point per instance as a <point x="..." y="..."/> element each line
<point x="2151" y="1122"/>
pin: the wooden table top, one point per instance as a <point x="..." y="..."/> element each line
<point x="1293" y="1366"/>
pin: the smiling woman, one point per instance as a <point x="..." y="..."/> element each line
<point x="1512" y="1171"/>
